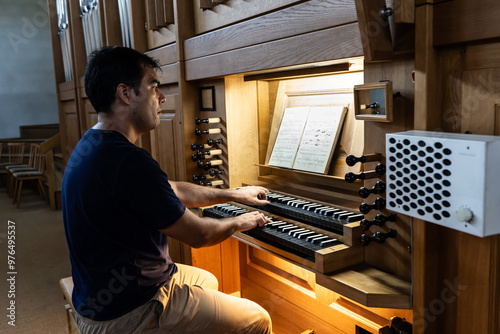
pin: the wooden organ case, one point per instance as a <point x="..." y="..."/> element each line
<point x="345" y="288"/>
<point x="229" y="69"/>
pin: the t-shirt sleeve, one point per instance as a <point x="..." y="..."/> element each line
<point x="143" y="188"/>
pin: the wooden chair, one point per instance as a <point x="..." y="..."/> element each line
<point x="36" y="176"/>
<point x="29" y="167"/>
<point x="16" y="156"/>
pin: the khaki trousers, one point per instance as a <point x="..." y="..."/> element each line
<point x="189" y="304"/>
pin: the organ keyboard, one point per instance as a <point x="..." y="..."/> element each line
<point x="317" y="235"/>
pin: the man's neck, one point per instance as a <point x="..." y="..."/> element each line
<point x="109" y="122"/>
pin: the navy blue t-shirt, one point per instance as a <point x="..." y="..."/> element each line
<point x="115" y="198"/>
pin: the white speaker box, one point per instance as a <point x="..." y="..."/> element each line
<point x="445" y="178"/>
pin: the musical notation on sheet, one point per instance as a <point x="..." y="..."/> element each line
<point x="307" y="138"/>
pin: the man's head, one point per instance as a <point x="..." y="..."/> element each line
<point x="111" y="66"/>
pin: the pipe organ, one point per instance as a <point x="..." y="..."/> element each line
<point x="336" y="258"/>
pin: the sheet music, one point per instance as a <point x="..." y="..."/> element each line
<point x="289" y="136"/>
<point x="319" y="138"/>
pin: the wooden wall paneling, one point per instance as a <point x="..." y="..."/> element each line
<point x="478" y="276"/>
<point x="374" y="30"/>
<point x="169" y="74"/>
<point x="242" y="130"/>
<point x="230" y="266"/>
<point x="68" y="122"/>
<point x="231" y="12"/>
<point x="111" y="23"/>
<point x="206" y="258"/>
<point x="306" y="48"/>
<point x="139" y="36"/>
<point x="166" y="55"/>
<point x="169" y="11"/>
<point x="481" y="94"/>
<point x="160" y="31"/>
<point x="477" y="284"/>
<point x="427" y="108"/>
<point x="151" y="20"/>
<point x="302" y="18"/>
<point x="404" y="11"/>
<point x="484" y="55"/>
<point x="461" y="21"/>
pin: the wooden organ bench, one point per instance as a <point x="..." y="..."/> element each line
<point x="66" y="285"/>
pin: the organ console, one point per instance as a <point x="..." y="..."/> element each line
<point x="318" y="235"/>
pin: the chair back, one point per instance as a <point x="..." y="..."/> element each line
<point x="34" y="153"/>
<point x="16" y="152"/>
<point x="38" y="158"/>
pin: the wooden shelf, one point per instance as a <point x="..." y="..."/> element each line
<point x="369" y="286"/>
<point x="300" y="172"/>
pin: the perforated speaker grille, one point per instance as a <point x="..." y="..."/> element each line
<point x="419" y="177"/>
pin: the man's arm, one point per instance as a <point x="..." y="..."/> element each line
<point x="193" y="195"/>
<point x="205" y="231"/>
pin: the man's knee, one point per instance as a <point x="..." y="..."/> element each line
<point x="261" y="322"/>
<point x="211" y="282"/>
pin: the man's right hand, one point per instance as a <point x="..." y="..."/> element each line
<point x="250" y="220"/>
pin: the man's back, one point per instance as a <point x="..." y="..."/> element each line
<point x="119" y="258"/>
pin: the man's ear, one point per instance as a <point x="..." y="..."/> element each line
<point x="123" y="93"/>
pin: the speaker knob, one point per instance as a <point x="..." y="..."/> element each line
<point x="464" y="215"/>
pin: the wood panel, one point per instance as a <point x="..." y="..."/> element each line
<point x="477" y="286"/>
<point x="111" y="23"/>
<point x="242" y="130"/>
<point x="480" y="56"/>
<point x="480" y="94"/>
<point x="374" y="30"/>
<point x="281" y="287"/>
<point x="404" y="11"/>
<point x="461" y="21"/>
<point x="166" y="55"/>
<point x="168" y="74"/>
<point x="296" y="20"/>
<point x="306" y="48"/>
<point x="232" y="11"/>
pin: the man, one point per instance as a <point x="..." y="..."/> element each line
<point x="119" y="207"/>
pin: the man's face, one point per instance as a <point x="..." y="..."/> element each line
<point x="146" y="106"/>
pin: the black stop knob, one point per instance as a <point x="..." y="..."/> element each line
<point x="379" y="204"/>
<point x="378" y="188"/>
